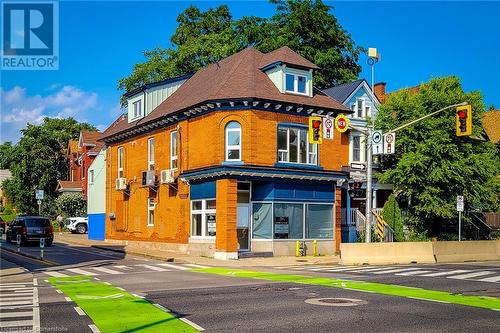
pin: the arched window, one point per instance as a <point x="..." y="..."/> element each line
<point x="233" y="141"/>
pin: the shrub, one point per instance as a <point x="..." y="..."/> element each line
<point x="392" y="216"/>
<point x="71" y="204"/>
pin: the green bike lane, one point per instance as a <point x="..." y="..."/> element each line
<point x="112" y="309"/>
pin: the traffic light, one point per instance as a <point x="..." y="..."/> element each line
<point x="315" y="130"/>
<point x="463" y="120"/>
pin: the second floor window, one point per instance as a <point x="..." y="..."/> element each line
<point x="294" y="146"/>
<point x="356" y="149"/>
<point x="120" y="162"/>
<point x="151" y="154"/>
<point x="137" y="108"/>
<point x="233" y="141"/>
<point x="360" y="108"/>
<point x="173" y="150"/>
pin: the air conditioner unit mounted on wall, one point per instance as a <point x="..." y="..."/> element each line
<point x="149" y="178"/>
<point x="167" y="176"/>
<point x="121" y="184"/>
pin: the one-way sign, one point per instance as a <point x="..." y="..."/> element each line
<point x="377" y="145"/>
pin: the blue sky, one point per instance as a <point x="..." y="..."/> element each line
<point x="101" y="41"/>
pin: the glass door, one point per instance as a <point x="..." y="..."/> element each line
<point x="243" y="226"/>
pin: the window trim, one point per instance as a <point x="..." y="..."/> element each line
<point x="203" y="211"/>
<point x="172" y="156"/>
<point x="296" y="84"/>
<point x="299" y="128"/>
<point x="151" y="162"/>
<point x="228" y="147"/>
<point x="120" y="162"/>
<point x="137" y="114"/>
<point x="151" y="205"/>
<point x="362" y="155"/>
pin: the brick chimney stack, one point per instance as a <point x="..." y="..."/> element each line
<point x="379" y="90"/>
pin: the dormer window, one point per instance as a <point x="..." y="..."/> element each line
<point x="137" y="106"/>
<point x="295" y="83"/>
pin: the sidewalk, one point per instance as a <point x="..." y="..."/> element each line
<point x="72" y="239"/>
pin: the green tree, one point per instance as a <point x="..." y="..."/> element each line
<point x="202" y="38"/>
<point x="432" y="165"/>
<point x="391" y="214"/>
<point x="6" y="155"/>
<point x="71" y="204"/>
<point x="38" y="161"/>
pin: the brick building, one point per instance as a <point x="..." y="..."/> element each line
<point x="219" y="163"/>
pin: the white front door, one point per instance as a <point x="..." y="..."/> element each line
<point x="243" y="226"/>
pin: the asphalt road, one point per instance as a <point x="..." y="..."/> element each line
<point x="226" y="304"/>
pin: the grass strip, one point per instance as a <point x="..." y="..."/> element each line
<point x="114" y="310"/>
<point x="491" y="303"/>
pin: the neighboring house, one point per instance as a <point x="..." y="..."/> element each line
<point x="96" y="198"/>
<point x="491" y="125"/>
<point x="67" y="186"/>
<point x="222" y="166"/>
<point x="359" y="98"/>
<point x="73" y="163"/>
<point x="88" y="148"/>
<point x="4" y="174"/>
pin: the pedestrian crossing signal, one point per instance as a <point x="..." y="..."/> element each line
<point x="315" y="130"/>
<point x="463" y="117"/>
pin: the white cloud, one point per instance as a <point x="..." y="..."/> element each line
<point x="19" y="109"/>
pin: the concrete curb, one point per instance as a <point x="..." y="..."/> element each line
<point x="44" y="261"/>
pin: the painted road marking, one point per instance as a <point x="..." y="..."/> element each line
<point x="94" y="329"/>
<point x="106" y="270"/>
<point x="196" y="266"/>
<point x="491" y="279"/>
<point x="56" y="274"/>
<point x="122" y="267"/>
<point x="396" y="270"/>
<point x="15" y="284"/>
<point x="81" y="271"/>
<point x="67" y="299"/>
<point x="330" y="269"/>
<point x="58" y="291"/>
<point x="153" y="268"/>
<point x="182" y="268"/>
<point x="412" y="273"/>
<point x="17" y="323"/>
<point x="17" y="302"/>
<point x="161" y="307"/>
<point x="470" y="275"/>
<point x="24" y="296"/>
<point x="447" y="273"/>
<point x="24" y="293"/>
<point x="190" y="323"/>
<point x="15" y="314"/>
<point x="374" y="269"/>
<point x="79" y="311"/>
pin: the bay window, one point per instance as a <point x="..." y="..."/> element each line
<point x="294" y="146"/>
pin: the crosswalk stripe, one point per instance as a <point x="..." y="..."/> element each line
<point x="122" y="267"/>
<point x="17" y="290"/>
<point x="56" y="274"/>
<point x="412" y="273"/>
<point x="395" y="270"/>
<point x="182" y="268"/>
<point x="106" y="270"/>
<point x="17" y="302"/>
<point x="362" y="270"/>
<point x="15" y="314"/>
<point x="196" y="266"/>
<point x="18" y="323"/>
<point x="81" y="271"/>
<point x="24" y="296"/>
<point x="15" y="284"/>
<point x="153" y="268"/>
<point x="447" y="273"/>
<point x="333" y="269"/>
<point x="491" y="279"/>
<point x="19" y="294"/>
<point x="470" y="275"/>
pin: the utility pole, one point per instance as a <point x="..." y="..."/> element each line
<point x="369" y="162"/>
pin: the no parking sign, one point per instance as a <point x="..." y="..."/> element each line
<point x="328" y="128"/>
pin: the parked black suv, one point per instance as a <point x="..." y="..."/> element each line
<point x="31" y="228"/>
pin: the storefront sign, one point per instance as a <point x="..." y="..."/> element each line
<point x="211" y="224"/>
<point x="281" y="227"/>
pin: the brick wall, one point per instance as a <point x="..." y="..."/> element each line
<point x="226" y="240"/>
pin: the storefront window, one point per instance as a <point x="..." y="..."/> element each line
<point x="262" y="221"/>
<point x="203" y="218"/>
<point x="288" y="220"/>
<point x="319" y="221"/>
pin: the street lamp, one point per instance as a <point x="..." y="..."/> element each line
<point x="373" y="58"/>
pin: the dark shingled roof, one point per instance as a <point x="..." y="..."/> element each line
<point x="237" y="76"/>
<point x="342" y="91"/>
<point x="285" y="55"/>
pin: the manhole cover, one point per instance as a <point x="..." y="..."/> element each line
<point x="338" y="301"/>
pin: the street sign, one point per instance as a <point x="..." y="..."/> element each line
<point x="328" y="128"/>
<point x="389" y="143"/>
<point x="341" y="123"/>
<point x="460" y="203"/>
<point x="377" y="144"/>
<point x="39" y="194"/>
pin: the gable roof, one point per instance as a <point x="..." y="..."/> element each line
<point x="235" y="77"/>
<point x="287" y="56"/>
<point x="68" y="186"/>
<point x="342" y="91"/>
<point x="491" y="125"/>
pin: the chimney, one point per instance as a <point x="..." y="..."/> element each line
<point x="379" y="90"/>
